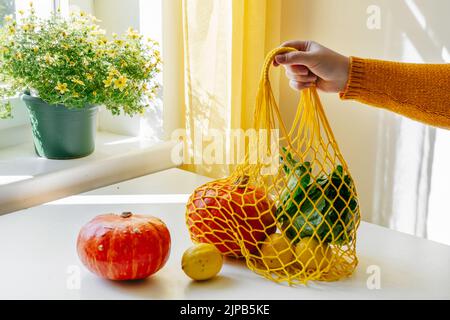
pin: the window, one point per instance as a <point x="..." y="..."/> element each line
<point x="43" y="7"/>
<point x="12" y="128"/>
<point x="116" y="16"/>
<point x="120" y="137"/>
<point x="6" y="7"/>
<point x="438" y="212"/>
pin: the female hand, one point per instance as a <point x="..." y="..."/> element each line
<point x="314" y="64"/>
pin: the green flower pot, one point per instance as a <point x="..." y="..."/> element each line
<point x="60" y="132"/>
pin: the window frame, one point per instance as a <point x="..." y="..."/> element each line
<point x="20" y="118"/>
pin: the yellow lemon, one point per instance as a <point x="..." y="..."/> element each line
<point x="312" y="254"/>
<point x="202" y="261"/>
<point x="276" y="251"/>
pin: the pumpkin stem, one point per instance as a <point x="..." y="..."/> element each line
<point x="126" y="214"/>
<point x="242" y="181"/>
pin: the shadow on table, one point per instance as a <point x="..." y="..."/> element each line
<point x="153" y="287"/>
<point x="219" y="282"/>
<point x="158" y="286"/>
<point x="377" y="277"/>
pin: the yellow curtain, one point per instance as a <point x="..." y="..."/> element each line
<point x="225" y="42"/>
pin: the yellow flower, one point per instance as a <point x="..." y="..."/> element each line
<point x="114" y="72"/>
<point x="35" y="49"/>
<point x="11" y="30"/>
<point x="30" y="4"/>
<point x="77" y="81"/>
<point x="123" y="63"/>
<point x="8" y="18"/>
<point x="75" y="95"/>
<point x="119" y="42"/>
<point x="120" y="83"/>
<point x="108" y="82"/>
<point x="98" y="32"/>
<point x="94" y="19"/>
<point x="94" y="93"/>
<point x="27" y="27"/>
<point x="131" y="33"/>
<point x="99" y="53"/>
<point x="82" y="14"/>
<point x="21" y="12"/>
<point x="61" y="87"/>
<point x="89" y="76"/>
<point x="48" y="58"/>
<point x="112" y="54"/>
<point x="19" y="55"/>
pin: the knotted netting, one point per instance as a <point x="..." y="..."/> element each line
<point x="292" y="223"/>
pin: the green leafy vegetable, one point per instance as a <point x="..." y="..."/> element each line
<point x="323" y="207"/>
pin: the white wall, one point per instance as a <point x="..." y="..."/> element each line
<point x="117" y="15"/>
<point x="146" y="16"/>
<point x="83" y="5"/>
<point x="412" y="30"/>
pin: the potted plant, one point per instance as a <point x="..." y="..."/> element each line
<point x="65" y="68"/>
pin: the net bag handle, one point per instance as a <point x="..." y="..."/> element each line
<point x="263" y="117"/>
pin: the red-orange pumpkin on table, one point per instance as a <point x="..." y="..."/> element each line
<point x="125" y="246"/>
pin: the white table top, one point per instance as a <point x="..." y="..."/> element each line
<point x="38" y="259"/>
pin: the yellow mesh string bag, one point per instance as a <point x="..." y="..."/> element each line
<point x="294" y="221"/>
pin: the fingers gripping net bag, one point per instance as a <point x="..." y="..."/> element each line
<point x="296" y="222"/>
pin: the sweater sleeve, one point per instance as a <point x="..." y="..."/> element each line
<point x="418" y="91"/>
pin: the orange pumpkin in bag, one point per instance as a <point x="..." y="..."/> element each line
<point x="230" y="215"/>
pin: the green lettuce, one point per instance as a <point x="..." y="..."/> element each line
<point x="321" y="207"/>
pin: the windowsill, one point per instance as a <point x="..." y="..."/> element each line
<point x="27" y="180"/>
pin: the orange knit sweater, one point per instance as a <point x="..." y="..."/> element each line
<point x="418" y="91"/>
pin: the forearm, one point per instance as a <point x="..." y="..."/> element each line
<point x="418" y="91"/>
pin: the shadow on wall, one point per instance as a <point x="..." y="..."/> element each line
<point x="389" y="156"/>
<point x="204" y="113"/>
<point x="404" y="165"/>
<point x="421" y="32"/>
